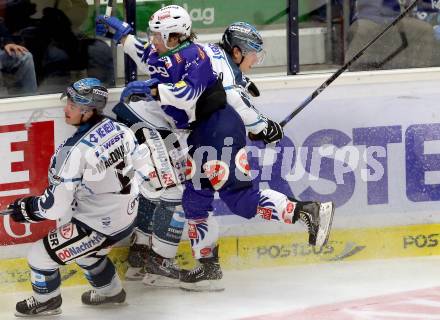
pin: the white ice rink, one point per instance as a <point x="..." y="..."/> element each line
<point x="379" y="289"/>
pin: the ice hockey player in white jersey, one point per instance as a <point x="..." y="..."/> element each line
<point x="241" y="40"/>
<point x="92" y="184"/>
<point x="160" y="219"/>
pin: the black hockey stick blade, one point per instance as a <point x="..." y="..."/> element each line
<point x="345" y="66"/>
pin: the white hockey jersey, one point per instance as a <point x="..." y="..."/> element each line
<point x="235" y="85"/>
<point x="94" y="176"/>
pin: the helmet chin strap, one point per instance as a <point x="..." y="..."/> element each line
<point x="242" y="56"/>
<point x="241" y="61"/>
<point x="83" y="112"/>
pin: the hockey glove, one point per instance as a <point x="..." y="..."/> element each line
<point x="272" y="133"/>
<point x="140" y="89"/>
<point x="22" y="211"/>
<point x="112" y="27"/>
<point x="251" y="87"/>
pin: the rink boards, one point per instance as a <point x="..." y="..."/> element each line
<point x="271" y="251"/>
<point x="370" y="142"/>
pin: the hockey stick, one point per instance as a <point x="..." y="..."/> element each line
<point x="6" y="212"/>
<point x="108" y="10"/>
<point x="402" y="47"/>
<point x="345" y="66"/>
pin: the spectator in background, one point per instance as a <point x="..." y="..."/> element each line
<point x="53" y="34"/>
<point x="16" y="65"/>
<point x="409" y="44"/>
<point x="61" y="52"/>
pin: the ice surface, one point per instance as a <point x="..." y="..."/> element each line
<point x="275" y="293"/>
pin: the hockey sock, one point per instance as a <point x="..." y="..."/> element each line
<point x="45" y="283"/>
<point x="275" y="206"/>
<point x="103" y="277"/>
<point x="144" y="218"/>
<point x="203" y="234"/>
<point x="168" y="223"/>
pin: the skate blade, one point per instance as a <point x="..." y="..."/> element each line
<point x="326" y="212"/>
<point x="107" y="305"/>
<point x="203" y="286"/>
<point x="158" y="281"/>
<point x="134" y="274"/>
<point x="53" y="312"/>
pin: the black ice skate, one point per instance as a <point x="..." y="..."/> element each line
<point x="137" y="256"/>
<point x="318" y="218"/>
<point x="160" y="272"/>
<point x="205" y="277"/>
<point x="92" y="298"/>
<point x="32" y="308"/>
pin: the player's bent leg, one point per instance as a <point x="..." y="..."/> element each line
<point x="101" y="274"/>
<point x="140" y="243"/>
<point x="160" y="268"/>
<point x="272" y="205"/>
<point x="316" y="216"/>
<point x="73" y="243"/>
<point x="206" y="276"/>
<point x="46" y="281"/>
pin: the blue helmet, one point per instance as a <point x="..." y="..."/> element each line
<point x="88" y="93"/>
<point x="242" y="35"/>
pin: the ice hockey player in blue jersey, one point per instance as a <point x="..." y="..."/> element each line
<point x="160" y="225"/>
<point x="93" y="187"/>
<point x="194" y="99"/>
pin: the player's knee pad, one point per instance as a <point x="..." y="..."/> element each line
<point x="168" y="223"/>
<point x="203" y="234"/>
<point x="39" y="258"/>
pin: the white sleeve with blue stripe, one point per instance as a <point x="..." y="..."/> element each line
<point x="234" y="84"/>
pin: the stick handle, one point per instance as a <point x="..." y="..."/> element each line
<point x="345" y="67"/>
<point x="6" y="212"/>
<point x="108" y="10"/>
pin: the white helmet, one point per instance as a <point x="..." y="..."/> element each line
<point x="170" y="19"/>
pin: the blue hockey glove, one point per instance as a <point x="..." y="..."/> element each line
<point x="112" y="27"/>
<point x="22" y="211"/>
<point x="141" y="89"/>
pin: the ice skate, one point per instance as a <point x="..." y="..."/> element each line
<point x="318" y="218"/>
<point x="92" y="298"/>
<point x="204" y="277"/>
<point x="160" y="272"/>
<point x="30" y="307"/>
<point x="137" y="256"/>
